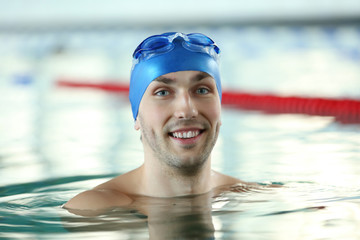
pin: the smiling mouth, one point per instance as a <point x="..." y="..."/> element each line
<point x="186" y="134"/>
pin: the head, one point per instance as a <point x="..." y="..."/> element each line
<point x="171" y="52"/>
<point x="175" y="93"/>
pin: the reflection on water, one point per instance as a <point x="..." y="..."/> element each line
<point x="34" y="210"/>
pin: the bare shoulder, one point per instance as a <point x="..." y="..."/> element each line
<point x="97" y="199"/>
<point x="114" y="193"/>
<point x="221" y="179"/>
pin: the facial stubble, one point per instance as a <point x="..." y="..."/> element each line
<point x="163" y="150"/>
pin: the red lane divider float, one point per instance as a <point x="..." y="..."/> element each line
<point x="344" y="110"/>
<point x="106" y="86"/>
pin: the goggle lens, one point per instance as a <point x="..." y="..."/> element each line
<point x="199" y="39"/>
<point x="162" y="43"/>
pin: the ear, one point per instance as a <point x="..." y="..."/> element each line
<point x="137" y="124"/>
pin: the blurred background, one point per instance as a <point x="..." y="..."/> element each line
<point x="298" y="47"/>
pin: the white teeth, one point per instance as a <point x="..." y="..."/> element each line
<point x="189" y="134"/>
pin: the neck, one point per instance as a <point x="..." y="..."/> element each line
<point x="163" y="181"/>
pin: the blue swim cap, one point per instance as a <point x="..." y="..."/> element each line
<point x="171" y="52"/>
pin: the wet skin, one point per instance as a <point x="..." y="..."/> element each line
<point x="179" y="121"/>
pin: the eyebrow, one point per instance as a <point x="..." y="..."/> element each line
<point x="165" y="80"/>
<point x="198" y="77"/>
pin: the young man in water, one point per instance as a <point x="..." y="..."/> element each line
<point x="175" y="93"/>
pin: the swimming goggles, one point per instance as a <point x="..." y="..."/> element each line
<point x="158" y="44"/>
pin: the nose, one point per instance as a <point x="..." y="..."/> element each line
<point x="185" y="107"/>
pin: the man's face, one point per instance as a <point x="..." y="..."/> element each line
<point x="179" y="118"/>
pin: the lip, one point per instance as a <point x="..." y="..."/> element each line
<point x="187" y="141"/>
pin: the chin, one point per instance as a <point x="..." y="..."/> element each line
<point x="189" y="165"/>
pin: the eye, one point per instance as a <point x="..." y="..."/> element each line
<point x="162" y="93"/>
<point x="202" y="91"/>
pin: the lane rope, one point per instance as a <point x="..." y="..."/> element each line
<point x="344" y="110"/>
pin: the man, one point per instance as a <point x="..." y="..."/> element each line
<point x="175" y="94"/>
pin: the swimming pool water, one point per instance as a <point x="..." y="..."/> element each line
<point x="93" y="140"/>
<point x="55" y="143"/>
